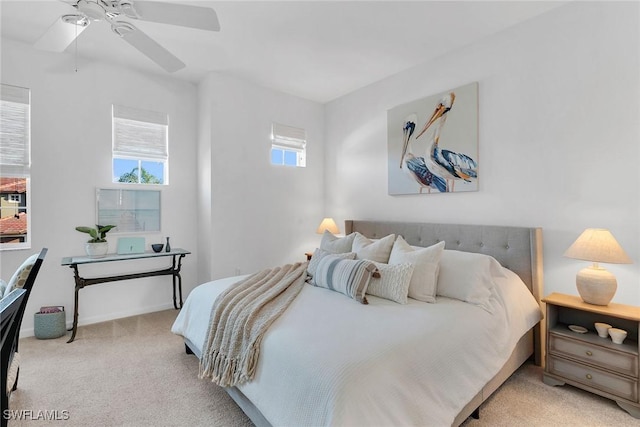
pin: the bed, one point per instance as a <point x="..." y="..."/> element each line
<point x="331" y="361"/>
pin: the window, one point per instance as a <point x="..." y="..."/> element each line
<point x="288" y="146"/>
<point x="15" y="164"/>
<point x="140" y="149"/>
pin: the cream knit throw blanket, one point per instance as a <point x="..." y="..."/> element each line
<point x="240" y="317"/>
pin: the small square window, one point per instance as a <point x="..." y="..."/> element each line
<point x="288" y="146"/>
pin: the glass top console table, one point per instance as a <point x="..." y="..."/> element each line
<point x="174" y="271"/>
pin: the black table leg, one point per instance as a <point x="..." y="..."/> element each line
<point x="79" y="285"/>
<point x="177" y="286"/>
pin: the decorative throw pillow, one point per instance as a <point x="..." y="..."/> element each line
<point x="349" y="277"/>
<point x="19" y="278"/>
<point x="425" y="261"/>
<point x="3" y="287"/>
<point x="468" y="276"/>
<point x="336" y="245"/>
<point x="319" y="254"/>
<point x="377" y="250"/>
<point x="393" y="283"/>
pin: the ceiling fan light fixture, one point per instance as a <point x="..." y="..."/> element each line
<point x="93" y="9"/>
<point x="122" y="28"/>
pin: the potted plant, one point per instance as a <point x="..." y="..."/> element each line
<point x="97" y="246"/>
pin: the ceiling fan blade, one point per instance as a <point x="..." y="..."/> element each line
<point x="203" y="18"/>
<point x="62" y="33"/>
<point x="151" y="49"/>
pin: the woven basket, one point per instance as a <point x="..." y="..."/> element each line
<point x="49" y="325"/>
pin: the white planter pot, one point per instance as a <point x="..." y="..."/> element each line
<point x="96" y="250"/>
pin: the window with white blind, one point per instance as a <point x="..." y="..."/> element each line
<point x="288" y="146"/>
<point x="15" y="167"/>
<point x="140" y="146"/>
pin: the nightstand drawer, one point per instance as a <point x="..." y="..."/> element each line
<point x="595" y="378"/>
<point x="624" y="363"/>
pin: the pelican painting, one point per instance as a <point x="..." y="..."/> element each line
<point x="432" y="143"/>
<point x="448" y="164"/>
<point x="416" y="167"/>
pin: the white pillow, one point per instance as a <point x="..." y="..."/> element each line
<point x="468" y="277"/>
<point x="378" y="250"/>
<point x="393" y="283"/>
<point x="319" y="254"/>
<point x="336" y="245"/>
<point x="20" y="276"/>
<point x="425" y="261"/>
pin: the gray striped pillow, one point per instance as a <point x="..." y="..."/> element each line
<point x="319" y="254"/>
<point x="349" y="277"/>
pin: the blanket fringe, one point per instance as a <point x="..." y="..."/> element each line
<point x="229" y="371"/>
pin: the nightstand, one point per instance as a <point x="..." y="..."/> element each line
<point x="587" y="361"/>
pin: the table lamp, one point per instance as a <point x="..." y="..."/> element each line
<point x="595" y="284"/>
<point x="328" y="224"/>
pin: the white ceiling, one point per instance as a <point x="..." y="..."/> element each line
<point x="319" y="50"/>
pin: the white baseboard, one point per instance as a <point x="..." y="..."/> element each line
<point x="28" y="332"/>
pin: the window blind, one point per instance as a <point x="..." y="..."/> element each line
<point x="139" y="133"/>
<point x="288" y="137"/>
<point x="15" y="153"/>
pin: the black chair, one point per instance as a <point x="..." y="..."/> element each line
<point x="9" y="308"/>
<point x="16" y="304"/>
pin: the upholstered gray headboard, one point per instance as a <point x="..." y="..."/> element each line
<point x="517" y="248"/>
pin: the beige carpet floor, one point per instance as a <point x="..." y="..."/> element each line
<point x="134" y="372"/>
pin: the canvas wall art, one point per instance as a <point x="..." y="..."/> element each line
<point x="433" y="143"/>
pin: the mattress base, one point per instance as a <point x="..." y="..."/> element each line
<point x="521" y="353"/>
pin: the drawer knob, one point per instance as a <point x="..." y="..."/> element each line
<point x="589" y="376"/>
<point x="589" y="353"/>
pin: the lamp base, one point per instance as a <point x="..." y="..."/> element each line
<point x="596" y="285"/>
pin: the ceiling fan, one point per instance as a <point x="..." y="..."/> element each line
<point x="67" y="27"/>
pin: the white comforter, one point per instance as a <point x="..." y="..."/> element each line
<point x="331" y="361"/>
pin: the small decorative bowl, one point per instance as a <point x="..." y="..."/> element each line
<point x="157" y="247"/>
<point x="617" y="335"/>
<point x="603" y="329"/>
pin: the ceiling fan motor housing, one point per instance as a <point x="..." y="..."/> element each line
<point x="98" y="10"/>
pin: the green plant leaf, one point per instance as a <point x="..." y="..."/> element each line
<point x="104" y="229"/>
<point x="97" y="234"/>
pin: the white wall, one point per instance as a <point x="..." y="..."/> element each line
<point x="559" y="136"/>
<point x="254" y="215"/>
<point x="71" y="156"/>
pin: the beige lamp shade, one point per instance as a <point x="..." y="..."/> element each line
<point x="595" y="284"/>
<point x="328" y="224"/>
<point x="598" y="245"/>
